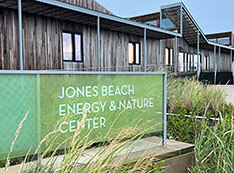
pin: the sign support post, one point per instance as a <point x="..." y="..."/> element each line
<point x="164" y="109"/>
<point x="38" y="119"/>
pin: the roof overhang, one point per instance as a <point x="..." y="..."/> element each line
<point x="184" y="22"/>
<point x="69" y="12"/>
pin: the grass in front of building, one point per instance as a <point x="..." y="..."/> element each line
<point x="199" y="115"/>
<point x="106" y="159"/>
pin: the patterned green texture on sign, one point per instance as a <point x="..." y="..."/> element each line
<point x="17" y="96"/>
<point x="63" y="113"/>
<point x="56" y="103"/>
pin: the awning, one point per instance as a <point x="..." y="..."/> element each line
<point x="179" y="15"/>
<point x="69" y="12"/>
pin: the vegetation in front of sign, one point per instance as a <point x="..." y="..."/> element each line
<point x="214" y="149"/>
<point x="192" y="107"/>
<point x="199" y="115"/>
<point x="189" y="96"/>
<point x="112" y="156"/>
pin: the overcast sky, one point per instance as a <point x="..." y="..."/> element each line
<point x="211" y="15"/>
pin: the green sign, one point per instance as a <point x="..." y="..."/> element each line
<point x="57" y="103"/>
<point x="18" y="94"/>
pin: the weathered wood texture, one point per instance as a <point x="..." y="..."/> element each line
<point x="42" y="43"/>
<point x="184" y="47"/>
<point x="90" y="4"/>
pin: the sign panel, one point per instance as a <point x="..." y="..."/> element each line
<point x="18" y="95"/>
<point x="57" y="103"/>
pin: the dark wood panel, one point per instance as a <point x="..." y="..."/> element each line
<point x="90" y="4"/>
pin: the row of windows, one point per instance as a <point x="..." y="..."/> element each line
<point x="187" y="61"/>
<point x="73" y="51"/>
<point x="223" y="40"/>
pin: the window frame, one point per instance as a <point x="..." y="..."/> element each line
<point x="73" y="34"/>
<point x="170" y="57"/>
<point x="207" y="64"/>
<point x="134" y="56"/>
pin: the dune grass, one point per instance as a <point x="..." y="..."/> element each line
<point x="214" y="149"/>
<point x="191" y="96"/>
<point x="111" y="156"/>
<point x="199" y="115"/>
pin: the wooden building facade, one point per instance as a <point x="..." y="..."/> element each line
<point x="101" y="41"/>
<point x="43" y="44"/>
<point x="215" y="50"/>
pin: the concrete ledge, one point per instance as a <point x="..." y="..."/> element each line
<point x="178" y="156"/>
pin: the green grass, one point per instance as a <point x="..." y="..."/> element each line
<point x="213" y="139"/>
<point x="189" y="96"/>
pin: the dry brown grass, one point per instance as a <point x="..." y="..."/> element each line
<point x="16" y="137"/>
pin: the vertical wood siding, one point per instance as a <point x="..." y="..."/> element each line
<point x="90" y="4"/>
<point x="182" y="44"/>
<point x="42" y="41"/>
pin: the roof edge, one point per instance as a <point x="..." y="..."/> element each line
<point x="107" y="16"/>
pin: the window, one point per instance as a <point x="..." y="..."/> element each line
<point x="206" y="63"/>
<point x="167" y="24"/>
<point x="72" y="47"/>
<point x="190" y="62"/>
<point x="134" y="53"/>
<point x="169" y="61"/>
<point x="195" y="62"/>
<point x="185" y="62"/>
<point x="222" y="40"/>
<point x="214" y="40"/>
<point x="181" y="62"/>
<point x="201" y="62"/>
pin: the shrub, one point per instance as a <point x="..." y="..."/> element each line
<point x="200" y="115"/>
<point x="191" y="97"/>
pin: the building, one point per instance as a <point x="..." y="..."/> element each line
<point x="82" y="35"/>
<point x="63" y="36"/>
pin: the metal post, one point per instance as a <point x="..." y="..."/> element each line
<point x="98" y="43"/>
<point x="181" y="19"/>
<point x="39" y="164"/>
<point x="160" y="20"/>
<point x="198" y="57"/>
<point x="165" y="110"/>
<point x="175" y="56"/>
<point x="201" y="63"/>
<point x="231" y="59"/>
<point x="193" y="63"/>
<point x="219" y="60"/>
<point x="232" y="68"/>
<point x="144" y="49"/>
<point x="38" y="119"/>
<point x="184" y="62"/>
<point x="215" y="65"/>
<point x="20" y="35"/>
